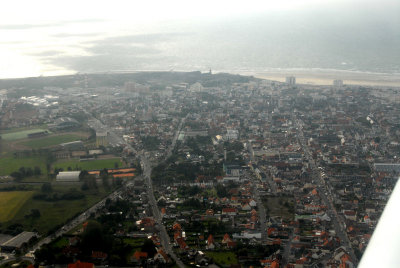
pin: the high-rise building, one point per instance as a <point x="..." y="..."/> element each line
<point x="291" y="80"/>
<point x="337" y="83"/>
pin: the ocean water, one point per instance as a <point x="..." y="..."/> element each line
<point x="367" y="41"/>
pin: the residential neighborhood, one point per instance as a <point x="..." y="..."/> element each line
<point x="194" y="170"/>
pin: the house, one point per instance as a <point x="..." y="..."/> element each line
<point x="80" y="264"/>
<point x="246" y="207"/>
<point x="350" y="215"/>
<point x="176" y="227"/>
<point x="209" y="212"/>
<point x="98" y="255"/>
<point x="139" y="255"/>
<point x="182" y="244"/>
<point x="229" y="211"/>
<point x="210" y="242"/>
<point x="226" y="239"/>
<point x="161" y="256"/>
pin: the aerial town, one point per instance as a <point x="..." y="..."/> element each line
<point x="170" y="169"/>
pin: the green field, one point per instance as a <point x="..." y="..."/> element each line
<point x="55" y="213"/>
<point x="222" y="258"/>
<point x="48" y="141"/>
<point x="11" y="202"/>
<point x="23" y="134"/>
<point x="89" y="165"/>
<point x="11" y="164"/>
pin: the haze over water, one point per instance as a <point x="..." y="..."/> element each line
<point x="54" y="39"/>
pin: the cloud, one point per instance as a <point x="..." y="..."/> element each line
<point x="130" y="52"/>
<point x="47" y="53"/>
<point x="45" y="25"/>
<point x="61" y="35"/>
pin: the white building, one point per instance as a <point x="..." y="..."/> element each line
<point x="232" y="134"/>
<point x="68" y="176"/>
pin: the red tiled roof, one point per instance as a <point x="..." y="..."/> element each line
<point x="139" y="255"/>
<point x="124" y="175"/>
<point x="79" y="264"/>
<point x="121" y="170"/>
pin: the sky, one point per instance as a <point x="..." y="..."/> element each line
<point x="63" y="37"/>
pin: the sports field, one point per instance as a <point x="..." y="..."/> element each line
<point x="89" y="165"/>
<point x="50" y="140"/>
<point x="11" y="164"/>
<point x="11" y="203"/>
<point x="23" y="134"/>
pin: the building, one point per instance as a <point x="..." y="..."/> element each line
<point x="232" y="134"/>
<point x="65" y="123"/>
<point x="80" y="264"/>
<point x="337" y="83"/>
<point x="194" y="133"/>
<point x="73" y="145"/>
<point x="387" y="167"/>
<point x="291" y="80"/>
<point x="17" y="241"/>
<point x="101" y="139"/>
<point x="68" y="176"/>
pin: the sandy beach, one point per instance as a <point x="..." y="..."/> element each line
<point x="326" y="77"/>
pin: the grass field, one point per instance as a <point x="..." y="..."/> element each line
<point x="56" y="212"/>
<point x="11" y="202"/>
<point x="223" y="258"/>
<point x="89" y="165"/>
<point x="11" y="164"/>
<point x="50" y="140"/>
<point x="23" y="134"/>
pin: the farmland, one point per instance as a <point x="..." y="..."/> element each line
<point x="11" y="203"/>
<point x="89" y="165"/>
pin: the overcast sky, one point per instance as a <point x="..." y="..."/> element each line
<point x="59" y="37"/>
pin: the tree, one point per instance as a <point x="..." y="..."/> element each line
<point x="47" y="188"/>
<point x="93" y="238"/>
<point x="22" y="170"/>
<point x="37" y="171"/>
<point x="149" y="247"/>
<point x="17" y="176"/>
<point x="35" y="213"/>
<point x="29" y="172"/>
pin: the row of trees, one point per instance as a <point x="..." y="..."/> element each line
<point x="24" y="172"/>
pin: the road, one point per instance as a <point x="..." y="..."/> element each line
<point x="164" y="237"/>
<point x="272" y="185"/>
<point x="322" y="190"/>
<point x="261" y="211"/>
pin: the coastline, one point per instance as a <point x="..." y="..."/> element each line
<point x="326" y="77"/>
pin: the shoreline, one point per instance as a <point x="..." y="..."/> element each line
<point x="323" y="77"/>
